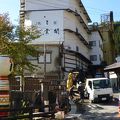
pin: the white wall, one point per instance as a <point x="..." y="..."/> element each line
<point x="72" y="40"/>
<point x="46" y="4"/>
<point x="55" y="4"/>
<point x="63" y="20"/>
<point x="72" y="22"/>
<point x="96" y="50"/>
<point x="47" y="20"/>
<point x="74" y="5"/>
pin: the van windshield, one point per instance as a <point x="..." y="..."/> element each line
<point x="105" y="83"/>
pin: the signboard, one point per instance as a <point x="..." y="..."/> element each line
<point x="49" y="23"/>
<point x="4" y="85"/>
<point x="4" y="100"/>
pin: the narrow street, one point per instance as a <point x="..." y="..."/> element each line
<point x="96" y="111"/>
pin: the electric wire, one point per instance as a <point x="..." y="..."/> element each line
<point x="55" y="5"/>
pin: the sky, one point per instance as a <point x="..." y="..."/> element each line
<point x="95" y="9"/>
<point x="12" y="7"/>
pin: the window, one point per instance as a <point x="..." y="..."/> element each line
<point x="99" y="43"/>
<point x="46" y="22"/>
<point x="41" y="58"/>
<point x="93" y="57"/>
<point x="77" y="48"/>
<point x="76" y="30"/>
<point x="92" y="43"/>
<point x="100" y="57"/>
<point x="31" y="58"/>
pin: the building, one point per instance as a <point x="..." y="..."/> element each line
<point x="65" y="32"/>
<point x="64" y="42"/>
<point x="96" y="53"/>
<point x="107" y="29"/>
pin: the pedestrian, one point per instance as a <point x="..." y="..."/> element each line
<point x="70" y="84"/>
<point x="81" y="91"/>
<point x="38" y="103"/>
<point x="52" y="100"/>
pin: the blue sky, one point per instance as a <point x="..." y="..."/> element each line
<point x="94" y="8"/>
<point x="12" y="7"/>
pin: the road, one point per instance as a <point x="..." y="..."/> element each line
<point x="97" y="111"/>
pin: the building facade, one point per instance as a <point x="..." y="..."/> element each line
<point x="64" y="33"/>
<point x="107" y="29"/>
<point x="96" y="52"/>
<point x="64" y="41"/>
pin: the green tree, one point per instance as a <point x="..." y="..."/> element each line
<point x="116" y="36"/>
<point x="15" y="42"/>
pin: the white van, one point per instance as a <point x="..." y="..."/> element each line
<point x="99" y="89"/>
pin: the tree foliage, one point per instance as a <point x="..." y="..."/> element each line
<point x="116" y="36"/>
<point x="5" y="32"/>
<point x="16" y="42"/>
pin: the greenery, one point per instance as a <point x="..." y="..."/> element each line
<point x="15" y="42"/>
<point x="116" y="36"/>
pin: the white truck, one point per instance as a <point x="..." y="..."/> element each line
<point x="99" y="89"/>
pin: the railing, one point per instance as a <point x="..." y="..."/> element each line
<point x="29" y="113"/>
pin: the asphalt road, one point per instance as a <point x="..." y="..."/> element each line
<point x="96" y="111"/>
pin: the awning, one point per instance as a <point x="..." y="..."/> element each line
<point x="113" y="67"/>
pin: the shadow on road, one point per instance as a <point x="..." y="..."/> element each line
<point x="86" y="112"/>
<point x="112" y="103"/>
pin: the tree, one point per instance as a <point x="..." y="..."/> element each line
<point x="5" y="32"/>
<point x="15" y="42"/>
<point x="116" y="36"/>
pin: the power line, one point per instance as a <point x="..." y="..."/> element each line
<point x="59" y="5"/>
<point x="100" y="10"/>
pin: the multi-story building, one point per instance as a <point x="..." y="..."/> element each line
<point x="64" y="42"/>
<point x="96" y="52"/>
<point x="64" y="33"/>
<point x="107" y="29"/>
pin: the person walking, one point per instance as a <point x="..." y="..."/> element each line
<point x="52" y="100"/>
<point x="38" y="103"/>
<point x="70" y="84"/>
<point x="81" y="91"/>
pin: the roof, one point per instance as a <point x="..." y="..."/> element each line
<point x="85" y="12"/>
<point x="112" y="67"/>
<point x="91" y="79"/>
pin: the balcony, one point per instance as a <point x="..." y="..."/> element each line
<point x="80" y="19"/>
<point x="81" y="38"/>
